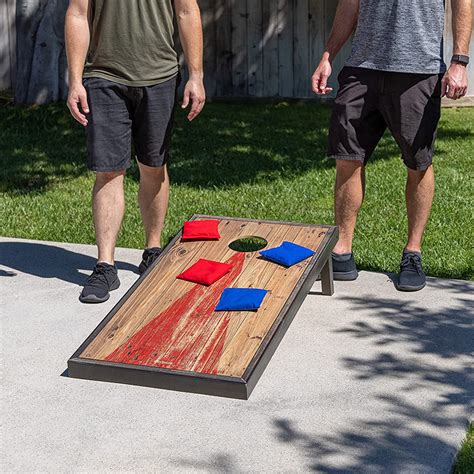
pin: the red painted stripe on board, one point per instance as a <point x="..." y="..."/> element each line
<point x="175" y="327"/>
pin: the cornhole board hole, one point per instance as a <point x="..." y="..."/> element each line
<point x="165" y="333"/>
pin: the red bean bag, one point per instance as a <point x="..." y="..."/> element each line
<point x="205" y="272"/>
<point x="201" y="230"/>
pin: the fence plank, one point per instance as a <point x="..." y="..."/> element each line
<point x="11" y="6"/>
<point x="259" y="48"/>
<point x="239" y="48"/>
<point x="285" y="47"/>
<point x="255" y="48"/>
<point x="5" y="57"/>
<point x="223" y="26"/>
<point x="208" y="14"/>
<point x="270" y="53"/>
<point x="301" y="71"/>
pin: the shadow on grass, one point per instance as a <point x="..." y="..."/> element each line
<point x="228" y="145"/>
<point x="49" y="261"/>
<point x="39" y="147"/>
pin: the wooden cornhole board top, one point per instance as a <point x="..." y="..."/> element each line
<point x="165" y="333"/>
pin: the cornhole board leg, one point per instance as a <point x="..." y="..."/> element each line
<point x="238" y="385"/>
<point x="327" y="278"/>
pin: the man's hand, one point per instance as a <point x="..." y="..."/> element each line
<point x="78" y="95"/>
<point x="454" y="83"/>
<point x="194" y="92"/>
<point x="320" y="78"/>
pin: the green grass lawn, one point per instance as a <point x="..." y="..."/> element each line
<point x="465" y="457"/>
<point x="257" y="161"/>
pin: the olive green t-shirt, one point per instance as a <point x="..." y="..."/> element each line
<point x="131" y="41"/>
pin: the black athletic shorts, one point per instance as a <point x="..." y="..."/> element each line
<point x="124" y="115"/>
<point x="369" y="101"/>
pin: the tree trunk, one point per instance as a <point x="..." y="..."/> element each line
<point x="41" y="57"/>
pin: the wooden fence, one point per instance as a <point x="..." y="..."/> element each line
<point x="265" y="48"/>
<point x="253" y="48"/>
<point x="7" y="43"/>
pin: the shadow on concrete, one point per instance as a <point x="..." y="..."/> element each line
<point x="49" y="261"/>
<point x="406" y="438"/>
<point x="219" y="463"/>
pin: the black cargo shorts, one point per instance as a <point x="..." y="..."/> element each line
<point x="122" y="115"/>
<point x="368" y="102"/>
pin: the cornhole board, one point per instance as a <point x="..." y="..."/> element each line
<point x="165" y="333"/>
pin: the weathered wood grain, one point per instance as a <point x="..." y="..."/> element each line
<point x="270" y="53"/>
<point x="243" y="345"/>
<point x="170" y="323"/>
<point x="285" y="12"/>
<point x="302" y="70"/>
<point x="160" y="291"/>
<point x="239" y="48"/>
<point x="210" y="54"/>
<point x="255" y="48"/>
<point x="223" y="27"/>
<point x="7" y="44"/>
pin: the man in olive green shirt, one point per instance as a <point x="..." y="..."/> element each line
<point x="123" y="78"/>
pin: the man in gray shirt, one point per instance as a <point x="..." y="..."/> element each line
<point x="394" y="78"/>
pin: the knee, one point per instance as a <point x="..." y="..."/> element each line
<point x="348" y="165"/>
<point x="348" y="169"/>
<point x="153" y="175"/>
<point x="104" y="177"/>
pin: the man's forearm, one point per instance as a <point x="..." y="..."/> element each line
<point x="190" y="32"/>
<point x="462" y="25"/>
<point x="77" y="43"/>
<point x="344" y="24"/>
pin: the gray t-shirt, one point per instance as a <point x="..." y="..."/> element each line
<point x="400" y="36"/>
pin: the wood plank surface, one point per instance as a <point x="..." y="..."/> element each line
<point x="7" y="44"/>
<point x="302" y="69"/>
<point x="210" y="55"/>
<point x="285" y="47"/>
<point x="270" y="53"/>
<point x="255" y="48"/>
<point x="159" y="291"/>
<point x="171" y="323"/>
<point x="280" y="283"/>
<point x="239" y="48"/>
<point x="223" y="27"/>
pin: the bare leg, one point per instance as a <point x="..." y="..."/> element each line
<point x="153" y="198"/>
<point x="419" y="197"/>
<point x="349" y="195"/>
<point x="108" y="207"/>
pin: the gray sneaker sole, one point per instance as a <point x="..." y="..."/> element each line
<point x="93" y="299"/>
<point x="410" y="288"/>
<point x="346" y="276"/>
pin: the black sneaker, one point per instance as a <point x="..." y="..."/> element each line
<point x="149" y="256"/>
<point x="104" y="278"/>
<point x="411" y="277"/>
<point x="344" y="267"/>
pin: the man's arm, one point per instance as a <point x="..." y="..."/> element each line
<point x="455" y="81"/>
<point x="190" y="33"/>
<point x="343" y="26"/>
<point x="77" y="44"/>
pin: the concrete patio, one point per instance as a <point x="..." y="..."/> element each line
<point x="369" y="380"/>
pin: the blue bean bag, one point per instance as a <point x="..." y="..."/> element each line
<point x="287" y="254"/>
<point x="241" y="299"/>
